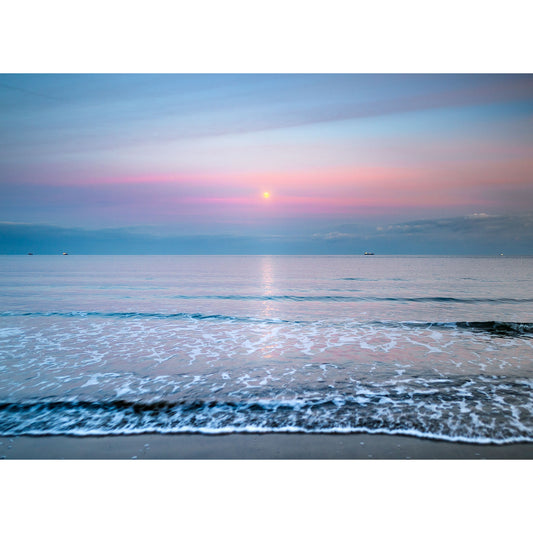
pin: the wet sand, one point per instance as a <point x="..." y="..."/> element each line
<point x="253" y="446"/>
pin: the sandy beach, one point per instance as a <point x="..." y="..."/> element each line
<point x="253" y="446"/>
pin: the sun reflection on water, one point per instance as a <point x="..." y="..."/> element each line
<point x="268" y="310"/>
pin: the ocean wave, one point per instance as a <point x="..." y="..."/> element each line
<point x="435" y="412"/>
<point x="493" y="327"/>
<point x="341" y="298"/>
<point x="499" y="328"/>
<point x="143" y="315"/>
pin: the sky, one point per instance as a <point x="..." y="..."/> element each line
<point x="179" y="163"/>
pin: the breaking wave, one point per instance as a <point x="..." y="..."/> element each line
<point x="435" y="410"/>
<point x="494" y="327"/>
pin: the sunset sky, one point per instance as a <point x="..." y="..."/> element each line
<point x="399" y="163"/>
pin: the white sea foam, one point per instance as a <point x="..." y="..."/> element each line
<point x="10" y="332"/>
<point x="310" y="358"/>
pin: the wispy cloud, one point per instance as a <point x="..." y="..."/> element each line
<point x="477" y="233"/>
<point x="334" y="236"/>
<point x="200" y="150"/>
<point x="139" y="116"/>
<point x="481" y="225"/>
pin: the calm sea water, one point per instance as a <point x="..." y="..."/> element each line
<point x="437" y="347"/>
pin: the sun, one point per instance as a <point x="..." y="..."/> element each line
<point x="266" y="195"/>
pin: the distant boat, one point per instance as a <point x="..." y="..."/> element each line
<point x="65" y="253"/>
<point x="369" y="253"/>
<point x="30" y="253"/>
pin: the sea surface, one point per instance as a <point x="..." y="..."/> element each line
<point x="435" y="347"/>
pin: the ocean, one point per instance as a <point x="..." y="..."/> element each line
<point x="436" y="347"/>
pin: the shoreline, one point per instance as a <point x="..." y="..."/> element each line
<point x="292" y="446"/>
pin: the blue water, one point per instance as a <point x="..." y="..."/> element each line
<point x="437" y="347"/>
